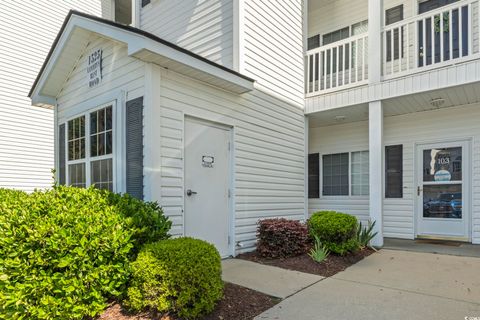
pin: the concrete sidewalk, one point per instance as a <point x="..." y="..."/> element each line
<point x="270" y="280"/>
<point x="391" y="285"/>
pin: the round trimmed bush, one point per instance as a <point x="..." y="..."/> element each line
<point x="336" y="230"/>
<point x="64" y="252"/>
<point x="182" y="275"/>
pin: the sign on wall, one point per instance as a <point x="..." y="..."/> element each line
<point x="94" y="68"/>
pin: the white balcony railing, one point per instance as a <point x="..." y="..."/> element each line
<point x="433" y="39"/>
<point x="337" y="66"/>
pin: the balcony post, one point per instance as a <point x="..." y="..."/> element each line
<point x="375" y="133"/>
<point x="375" y="22"/>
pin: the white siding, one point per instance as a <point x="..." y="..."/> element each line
<point x="430" y="126"/>
<point x="339" y="14"/>
<point x="120" y="73"/>
<point x="337" y="139"/>
<point x="27" y="30"/>
<point x="204" y="27"/>
<point x="268" y="149"/>
<point x="273" y="47"/>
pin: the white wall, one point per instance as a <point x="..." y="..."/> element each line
<point x="431" y="126"/>
<point x="341" y="138"/>
<point x="272" y="47"/>
<point x="268" y="149"/>
<point x="202" y="26"/>
<point x="27" y="30"/>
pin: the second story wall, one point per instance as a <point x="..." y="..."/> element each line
<point x="271" y="47"/>
<point x="204" y="27"/>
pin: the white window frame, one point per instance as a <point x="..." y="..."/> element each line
<point x="88" y="158"/>
<point x="350" y="195"/>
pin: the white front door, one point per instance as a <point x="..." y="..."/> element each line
<point x="207" y="183"/>
<point x="443" y="191"/>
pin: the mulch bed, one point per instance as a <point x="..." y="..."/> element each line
<point x="303" y="263"/>
<point x="238" y="303"/>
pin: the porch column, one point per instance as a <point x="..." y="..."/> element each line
<point x="375" y="137"/>
<point x="375" y="22"/>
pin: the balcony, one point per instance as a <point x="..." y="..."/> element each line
<point x="435" y="39"/>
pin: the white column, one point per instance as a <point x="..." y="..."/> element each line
<point x="375" y="131"/>
<point x="375" y="22"/>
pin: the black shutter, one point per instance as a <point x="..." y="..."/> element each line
<point x="62" y="172"/>
<point x="313" y="176"/>
<point x="145" y="2"/>
<point x="313" y="42"/>
<point x="134" y="147"/>
<point x="394" y="171"/>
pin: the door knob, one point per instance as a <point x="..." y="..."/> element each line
<point x="190" y="192"/>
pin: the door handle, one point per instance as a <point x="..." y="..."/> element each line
<point x="419" y="190"/>
<point x="190" y="192"/>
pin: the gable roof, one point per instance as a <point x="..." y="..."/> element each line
<point x="74" y="35"/>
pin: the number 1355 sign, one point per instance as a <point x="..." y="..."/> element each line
<point x="94" y="68"/>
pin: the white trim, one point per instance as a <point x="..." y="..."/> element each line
<point x="138" y="45"/>
<point x="238" y="36"/>
<point x="306" y="169"/>
<point x="467" y="143"/>
<point x="87" y="160"/>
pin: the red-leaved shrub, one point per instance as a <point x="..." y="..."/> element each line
<point x="280" y="238"/>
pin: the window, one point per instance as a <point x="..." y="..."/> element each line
<point x="336" y="36"/>
<point x="313" y="42"/>
<point x="394" y="15"/>
<point x="360" y="173"/>
<point x="335" y="174"/>
<point x="123" y="11"/>
<point x="313" y="176"/>
<point x="360" y="27"/>
<point x="394" y="171"/>
<point x="76" y="152"/>
<point x="424" y="6"/>
<point x="101" y="140"/>
<point x="94" y="167"/>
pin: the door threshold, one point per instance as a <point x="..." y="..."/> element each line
<point x="441" y="240"/>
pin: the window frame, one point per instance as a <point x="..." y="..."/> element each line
<point x="88" y="158"/>
<point x="350" y="195"/>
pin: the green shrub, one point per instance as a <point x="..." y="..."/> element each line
<point x="336" y="231"/>
<point x="146" y="219"/>
<point x="66" y="251"/>
<point x="182" y="275"/>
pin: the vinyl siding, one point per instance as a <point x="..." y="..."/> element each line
<point x="120" y="73"/>
<point x="343" y="13"/>
<point x="432" y="126"/>
<point x="268" y="150"/>
<point x="27" y="31"/>
<point x="429" y="126"/>
<point x="204" y="27"/>
<point x="338" y="139"/>
<point x="272" y="47"/>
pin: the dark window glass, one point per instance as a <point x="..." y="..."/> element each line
<point x="442" y="164"/>
<point x="433" y="4"/>
<point x="313" y="175"/>
<point x="394" y="15"/>
<point x="101" y="134"/>
<point x="313" y="42"/>
<point x="335" y="174"/>
<point x="335" y="36"/>
<point x="394" y="171"/>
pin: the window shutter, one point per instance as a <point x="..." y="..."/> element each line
<point x="62" y="174"/>
<point x="313" y="176"/>
<point x="394" y="171"/>
<point x="313" y="42"/>
<point x="145" y="2"/>
<point x="394" y="14"/>
<point x="134" y="147"/>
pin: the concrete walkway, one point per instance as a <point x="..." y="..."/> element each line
<point x="440" y="247"/>
<point x="270" y="280"/>
<point x="391" y="285"/>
